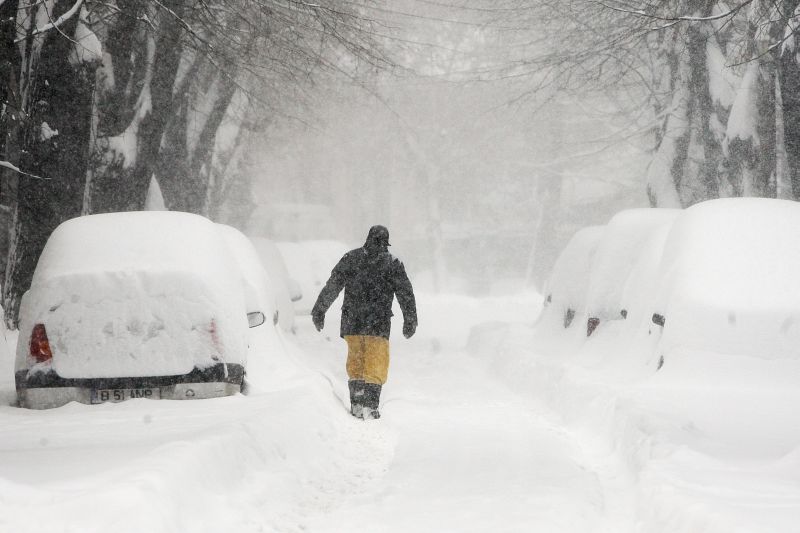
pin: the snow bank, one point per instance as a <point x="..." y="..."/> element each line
<point x="708" y="433"/>
<point x="268" y="461"/>
<point x="709" y="443"/>
<point x="136" y="294"/>
<point x="310" y="263"/>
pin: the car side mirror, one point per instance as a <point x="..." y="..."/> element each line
<point x="659" y="320"/>
<point x="255" y="319"/>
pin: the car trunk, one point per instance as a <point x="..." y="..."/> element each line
<point x="132" y="325"/>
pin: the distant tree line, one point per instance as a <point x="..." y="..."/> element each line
<point x="100" y="100"/>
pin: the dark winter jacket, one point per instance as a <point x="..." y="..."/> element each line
<point x="370" y="277"/>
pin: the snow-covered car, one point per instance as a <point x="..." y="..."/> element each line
<point x="607" y="273"/>
<point x="133" y="305"/>
<point x="287" y="290"/>
<point x="729" y="280"/>
<point x="310" y="263"/>
<point x="617" y="253"/>
<point x="569" y="280"/>
<point x="259" y="289"/>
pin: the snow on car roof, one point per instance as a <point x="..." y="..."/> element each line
<point x="741" y="251"/>
<point x="137" y="294"/>
<point x="258" y="285"/>
<point x="616" y="256"/>
<point x="570" y="277"/>
<point x="730" y="278"/>
<point x="132" y="241"/>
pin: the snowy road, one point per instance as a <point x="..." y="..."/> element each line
<point x="469" y="455"/>
<point x="455" y="451"/>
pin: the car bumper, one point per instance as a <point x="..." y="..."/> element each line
<point x="47" y="390"/>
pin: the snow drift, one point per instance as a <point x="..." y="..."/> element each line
<point x="702" y="410"/>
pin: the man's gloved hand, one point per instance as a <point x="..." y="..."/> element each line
<point x="319" y="320"/>
<point x="409" y="327"/>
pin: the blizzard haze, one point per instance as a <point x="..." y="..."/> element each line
<point x="447" y="148"/>
<point x="595" y="202"/>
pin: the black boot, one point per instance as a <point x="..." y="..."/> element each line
<point x="372" y="398"/>
<point x="357" y="396"/>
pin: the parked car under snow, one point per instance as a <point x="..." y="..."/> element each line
<point x="568" y="283"/>
<point x="287" y="290"/>
<point x="132" y="305"/>
<point x="728" y="280"/>
<point x="310" y="263"/>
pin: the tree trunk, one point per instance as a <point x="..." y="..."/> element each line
<point x="129" y="142"/>
<point x="224" y="176"/>
<point x="55" y="145"/>
<point x="10" y="122"/>
<point x="789" y="79"/>
<point x="184" y="166"/>
<point x="700" y="175"/>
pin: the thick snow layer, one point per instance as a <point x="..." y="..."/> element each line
<point x="709" y="443"/>
<point x="136" y="294"/>
<point x="456" y="450"/>
<point x="722" y="80"/>
<point x="310" y="263"/>
<point x="569" y="281"/>
<point x="659" y="179"/>
<point x="273" y="263"/>
<point x="87" y="47"/>
<point x="730" y="279"/>
<point x="154" y="200"/>
<point x="643" y="282"/>
<point x="702" y="412"/>
<point x="479" y="433"/>
<point x="743" y="120"/>
<point x="616" y="255"/>
<point x="258" y="286"/>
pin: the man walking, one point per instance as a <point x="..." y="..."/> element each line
<point x="370" y="277"/>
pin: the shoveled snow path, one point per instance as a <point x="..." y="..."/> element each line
<point x="455" y="451"/>
<point x="471" y="455"/>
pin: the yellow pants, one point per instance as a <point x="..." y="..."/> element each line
<point x="367" y="358"/>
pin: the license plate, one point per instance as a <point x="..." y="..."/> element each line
<point x="120" y="395"/>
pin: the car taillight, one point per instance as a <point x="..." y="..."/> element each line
<point x="212" y="328"/>
<point x="40" y="346"/>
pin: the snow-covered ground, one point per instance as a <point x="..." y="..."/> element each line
<point x="709" y="443"/>
<point x="484" y="428"/>
<point x="455" y="451"/>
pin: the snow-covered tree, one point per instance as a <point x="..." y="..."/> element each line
<point x="716" y="85"/>
<point x="101" y="97"/>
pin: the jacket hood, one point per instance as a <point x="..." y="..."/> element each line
<point x="377" y="238"/>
